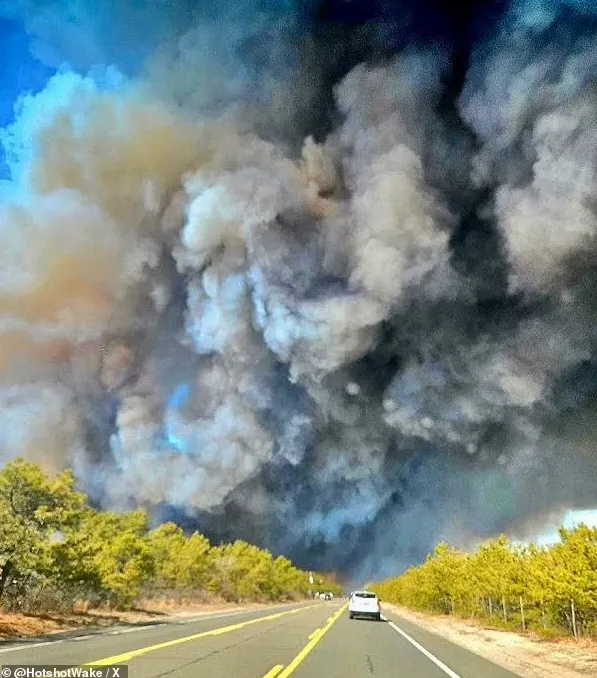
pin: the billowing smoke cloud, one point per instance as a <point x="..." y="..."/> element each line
<point x="312" y="276"/>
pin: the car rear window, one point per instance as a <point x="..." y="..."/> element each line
<point x="365" y="595"/>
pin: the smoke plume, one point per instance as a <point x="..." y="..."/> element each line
<point x="317" y="275"/>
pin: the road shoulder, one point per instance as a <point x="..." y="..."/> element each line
<point x="16" y="627"/>
<point x="520" y="654"/>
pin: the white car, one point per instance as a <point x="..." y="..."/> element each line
<point x="364" y="604"/>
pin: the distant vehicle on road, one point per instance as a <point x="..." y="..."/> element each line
<point x="364" y="604"/>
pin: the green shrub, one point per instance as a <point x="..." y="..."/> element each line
<point x="56" y="551"/>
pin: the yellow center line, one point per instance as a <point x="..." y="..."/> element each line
<point x="301" y="656"/>
<point x="272" y="673"/>
<point x="127" y="656"/>
<point x="312" y="635"/>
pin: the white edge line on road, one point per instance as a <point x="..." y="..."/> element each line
<point x="206" y="616"/>
<point x="446" y="669"/>
<point x="142" y="628"/>
<point x="233" y="613"/>
<point x="26" y="647"/>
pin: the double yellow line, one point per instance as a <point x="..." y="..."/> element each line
<point x="276" y="672"/>
<point x="127" y="656"/>
<point x="280" y="672"/>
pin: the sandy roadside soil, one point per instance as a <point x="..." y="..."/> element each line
<point x="24" y="625"/>
<point x="524" y="655"/>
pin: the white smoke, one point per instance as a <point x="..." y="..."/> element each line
<point x="535" y="113"/>
<point x="41" y="423"/>
<point x="214" y="300"/>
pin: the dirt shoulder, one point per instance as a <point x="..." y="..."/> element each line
<point x="14" y="625"/>
<point x="525" y="655"/>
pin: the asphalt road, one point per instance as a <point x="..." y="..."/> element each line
<point x="310" y="640"/>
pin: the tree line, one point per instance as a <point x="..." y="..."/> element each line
<point x="551" y="590"/>
<point x="56" y="550"/>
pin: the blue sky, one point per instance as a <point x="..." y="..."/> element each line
<point x="19" y="73"/>
<point x="569" y="520"/>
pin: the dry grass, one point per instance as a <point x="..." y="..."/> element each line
<point x="15" y="625"/>
<point x="24" y="625"/>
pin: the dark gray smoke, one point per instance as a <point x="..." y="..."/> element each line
<point x="320" y="276"/>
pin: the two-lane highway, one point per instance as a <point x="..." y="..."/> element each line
<point x="304" y="641"/>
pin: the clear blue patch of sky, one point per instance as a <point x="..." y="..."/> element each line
<point x="20" y="73"/>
